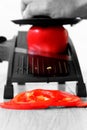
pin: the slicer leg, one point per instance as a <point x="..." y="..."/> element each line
<point x="62" y="82"/>
<point x="81" y="89"/>
<point x="61" y="86"/>
<point x="8" y="91"/>
<point x="0" y="60"/>
<point x="21" y="83"/>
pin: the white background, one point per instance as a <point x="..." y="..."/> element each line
<point x="11" y="9"/>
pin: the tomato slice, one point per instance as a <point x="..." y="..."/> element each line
<point x="35" y="99"/>
<point x="40" y="99"/>
<point x="68" y="102"/>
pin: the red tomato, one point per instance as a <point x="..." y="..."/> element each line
<point x="49" y="40"/>
<point x="34" y="99"/>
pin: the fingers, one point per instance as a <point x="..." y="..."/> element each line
<point x="24" y="4"/>
<point x="34" y="8"/>
<point x="51" y="8"/>
<point x="26" y="13"/>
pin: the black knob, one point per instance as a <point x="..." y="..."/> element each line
<point x="2" y="39"/>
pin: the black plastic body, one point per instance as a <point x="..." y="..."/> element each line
<point x="18" y="69"/>
<point x="47" y="21"/>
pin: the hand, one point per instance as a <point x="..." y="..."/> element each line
<point x="53" y="8"/>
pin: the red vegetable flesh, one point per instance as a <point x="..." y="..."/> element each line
<point x="47" y="40"/>
<point x="40" y="99"/>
